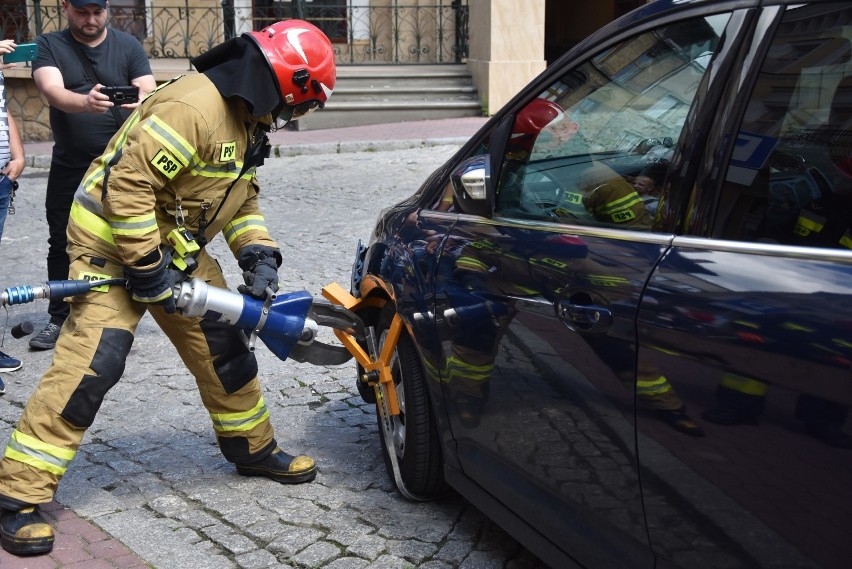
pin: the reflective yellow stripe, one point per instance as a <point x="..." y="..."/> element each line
<point x="153" y="299"/>
<point x="471" y="264"/>
<point x="432" y="371"/>
<point x="654" y="386"/>
<point x="177" y="146"/>
<point x="457" y="368"/>
<point x="38" y="454"/>
<point x="620" y="210"/>
<point x="796" y="327"/>
<point x="846" y="240"/>
<point x="548" y="262"/>
<point x="484" y="244"/>
<point x="621" y="204"/>
<point x="134" y="225"/>
<point x="239" y="422"/>
<point x="94" y="178"/>
<point x="106" y="158"/>
<point x="90" y="222"/>
<point x="743" y="384"/>
<point x="604" y="280"/>
<point x="240" y="225"/>
<point x="229" y="170"/>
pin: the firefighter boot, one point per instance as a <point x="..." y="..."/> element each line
<point x="681" y="422"/>
<point x="25" y="532"/>
<point x="281" y="467"/>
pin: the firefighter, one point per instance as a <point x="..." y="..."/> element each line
<point x="183" y="165"/>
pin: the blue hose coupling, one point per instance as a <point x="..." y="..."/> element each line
<point x="17" y="295"/>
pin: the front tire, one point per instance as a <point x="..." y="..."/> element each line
<point x="416" y="442"/>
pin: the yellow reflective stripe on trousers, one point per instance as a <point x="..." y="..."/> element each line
<point x="742" y="384"/>
<point x="654" y="386"/>
<point x="38" y="454"/>
<point x="457" y="368"/>
<point x="471" y="264"/>
<point x="239" y="422"/>
<point x="240" y="225"/>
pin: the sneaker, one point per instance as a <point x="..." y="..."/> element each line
<point x="46" y="339"/>
<point x="282" y="467"/>
<point x="2" y="386"/>
<point x="25" y="532"/>
<point x="8" y="363"/>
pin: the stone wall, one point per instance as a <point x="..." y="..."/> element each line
<point x="29" y="109"/>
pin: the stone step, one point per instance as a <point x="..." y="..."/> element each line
<point x="367" y="115"/>
<point x="393" y="93"/>
<point x="376" y="94"/>
<point x="407" y="77"/>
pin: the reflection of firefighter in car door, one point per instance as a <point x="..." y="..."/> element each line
<point x="523" y="263"/>
<point x="598" y="193"/>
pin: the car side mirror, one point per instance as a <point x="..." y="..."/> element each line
<point x="472" y="186"/>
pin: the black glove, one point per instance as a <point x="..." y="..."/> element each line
<point x="260" y="269"/>
<point x="154" y="283"/>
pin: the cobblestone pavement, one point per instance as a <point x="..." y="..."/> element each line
<point x="149" y="474"/>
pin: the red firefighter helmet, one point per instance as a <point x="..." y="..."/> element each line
<point x="302" y="60"/>
<point x="538" y="114"/>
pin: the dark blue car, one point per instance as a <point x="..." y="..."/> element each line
<point x="624" y="307"/>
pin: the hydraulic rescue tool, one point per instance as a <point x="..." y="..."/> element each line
<point x="288" y="324"/>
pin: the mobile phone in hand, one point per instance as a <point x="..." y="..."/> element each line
<point x="24" y="52"/>
<point x="121" y="95"/>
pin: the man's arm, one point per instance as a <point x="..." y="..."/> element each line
<point x="146" y="84"/>
<point x="49" y="82"/>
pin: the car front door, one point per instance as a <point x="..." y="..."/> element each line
<point x="749" y="315"/>
<point x="537" y="304"/>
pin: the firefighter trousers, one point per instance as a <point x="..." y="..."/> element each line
<point x="90" y="358"/>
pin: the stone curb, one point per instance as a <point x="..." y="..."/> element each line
<point x="286" y="150"/>
<point x="289" y="150"/>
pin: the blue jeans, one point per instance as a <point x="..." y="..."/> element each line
<point x="5" y="196"/>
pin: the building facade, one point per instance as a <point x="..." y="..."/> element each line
<point x="503" y="43"/>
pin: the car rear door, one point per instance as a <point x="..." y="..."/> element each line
<point x="749" y="315"/>
<point x="537" y="304"/>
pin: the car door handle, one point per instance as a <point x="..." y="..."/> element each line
<point x="584" y="317"/>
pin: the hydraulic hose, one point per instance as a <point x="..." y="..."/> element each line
<point x="52" y="289"/>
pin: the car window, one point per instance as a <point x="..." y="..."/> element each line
<point x="789" y="179"/>
<point x="594" y="147"/>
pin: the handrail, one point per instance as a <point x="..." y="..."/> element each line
<point x="397" y="34"/>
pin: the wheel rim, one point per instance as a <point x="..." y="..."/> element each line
<point x="398" y="421"/>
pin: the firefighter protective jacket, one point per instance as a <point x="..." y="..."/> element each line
<point x="181" y="152"/>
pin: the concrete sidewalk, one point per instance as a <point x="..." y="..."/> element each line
<point x="369" y="138"/>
